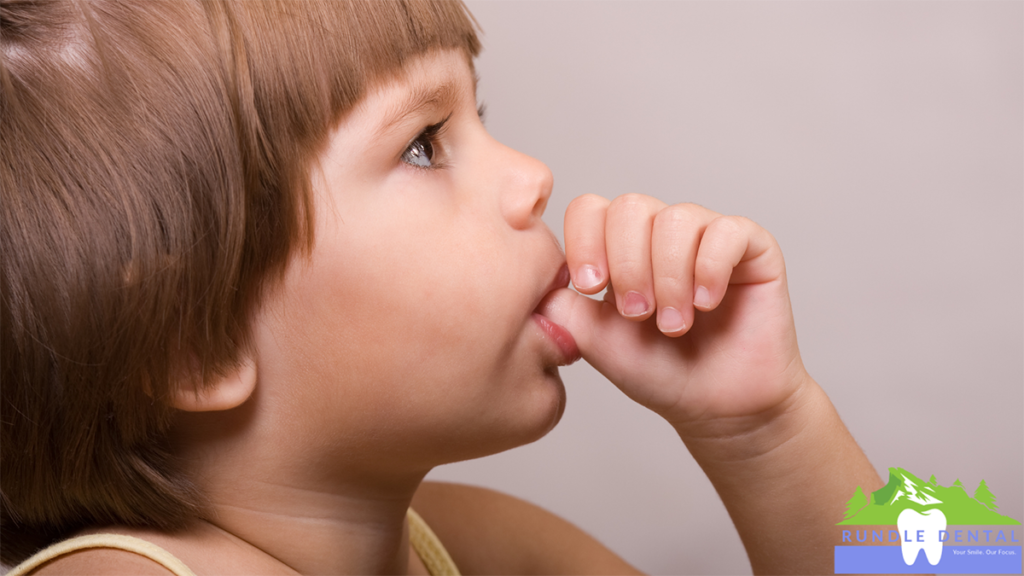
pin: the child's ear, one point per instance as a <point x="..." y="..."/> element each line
<point x="229" y="391"/>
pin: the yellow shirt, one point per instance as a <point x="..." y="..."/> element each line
<point x="426" y="544"/>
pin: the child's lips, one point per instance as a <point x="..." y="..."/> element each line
<point x="562" y="339"/>
<point x="557" y="333"/>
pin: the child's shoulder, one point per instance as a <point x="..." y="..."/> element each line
<point x="120" y="550"/>
<point x="92" y="561"/>
<point x="488" y="531"/>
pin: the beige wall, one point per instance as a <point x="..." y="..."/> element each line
<point x="881" y="142"/>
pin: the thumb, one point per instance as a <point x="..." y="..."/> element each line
<point x="613" y="345"/>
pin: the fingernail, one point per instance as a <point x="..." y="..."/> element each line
<point x="702" y="298"/>
<point x="670" y="320"/>
<point x="634" y="304"/>
<point x="587" y="277"/>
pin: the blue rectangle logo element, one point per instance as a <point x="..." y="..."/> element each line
<point x="889" y="560"/>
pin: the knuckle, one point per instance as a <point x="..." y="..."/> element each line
<point x="586" y="202"/>
<point x="676" y="217"/>
<point x="584" y="208"/>
<point x="729" y="225"/>
<point x="691" y="206"/>
<point x="629" y="272"/>
<point x="706" y="268"/>
<point x="631" y="202"/>
<point x="666" y="285"/>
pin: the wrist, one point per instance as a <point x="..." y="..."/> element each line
<point x="735" y="439"/>
<point x="784" y="478"/>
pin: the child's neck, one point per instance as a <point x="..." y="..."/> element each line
<point x="317" y="533"/>
<point x="314" y="519"/>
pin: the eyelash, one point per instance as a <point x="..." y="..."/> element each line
<point x="425" y="146"/>
<point x="430" y="138"/>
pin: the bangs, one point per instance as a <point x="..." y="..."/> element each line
<point x="316" y="59"/>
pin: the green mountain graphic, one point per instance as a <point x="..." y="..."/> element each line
<point x="904" y="490"/>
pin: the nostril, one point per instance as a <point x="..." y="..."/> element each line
<point x="541" y="206"/>
<point x="527" y="186"/>
<point x="524" y="203"/>
<point x="542" y="184"/>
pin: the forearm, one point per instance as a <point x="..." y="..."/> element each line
<point x="785" y="480"/>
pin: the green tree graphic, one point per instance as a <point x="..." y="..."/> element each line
<point x="983" y="495"/>
<point x="853" y="505"/>
<point x="884" y="506"/>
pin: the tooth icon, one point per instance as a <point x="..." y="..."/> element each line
<point x="921" y="531"/>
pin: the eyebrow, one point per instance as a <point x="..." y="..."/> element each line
<point x="436" y="96"/>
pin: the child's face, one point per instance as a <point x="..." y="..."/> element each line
<point x="409" y="336"/>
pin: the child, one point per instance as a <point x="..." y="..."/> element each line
<point x="263" y="269"/>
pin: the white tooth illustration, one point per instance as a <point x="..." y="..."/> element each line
<point x="921" y="531"/>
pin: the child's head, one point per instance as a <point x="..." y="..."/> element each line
<point x="408" y="336"/>
<point x="156" y="162"/>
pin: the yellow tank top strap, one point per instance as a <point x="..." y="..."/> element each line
<point x="429" y="548"/>
<point x="426" y="544"/>
<point x="116" y="541"/>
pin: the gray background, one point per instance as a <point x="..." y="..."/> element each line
<point x="880" y="142"/>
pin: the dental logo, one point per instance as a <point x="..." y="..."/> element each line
<point x="910" y="526"/>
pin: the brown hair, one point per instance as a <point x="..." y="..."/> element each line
<point x="154" y="162"/>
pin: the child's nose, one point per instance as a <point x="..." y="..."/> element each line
<point x="527" y="185"/>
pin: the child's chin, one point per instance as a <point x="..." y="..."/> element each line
<point x="528" y="423"/>
<point x="543" y="413"/>
<point x="558" y="404"/>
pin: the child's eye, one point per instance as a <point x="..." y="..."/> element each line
<point x="421" y="151"/>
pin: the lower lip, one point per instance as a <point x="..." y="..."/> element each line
<point x="561" y="337"/>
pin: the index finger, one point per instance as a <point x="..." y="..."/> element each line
<point x="584" y="243"/>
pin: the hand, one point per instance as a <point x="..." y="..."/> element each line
<point x="723" y="368"/>
<point x="696" y="324"/>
